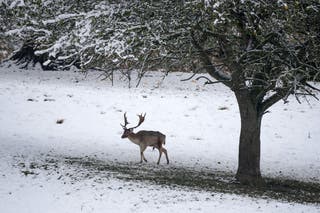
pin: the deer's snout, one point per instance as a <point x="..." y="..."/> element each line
<point x="125" y="134"/>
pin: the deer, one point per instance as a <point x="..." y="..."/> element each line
<point x="145" y="138"/>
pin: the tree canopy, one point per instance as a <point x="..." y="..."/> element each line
<point x="253" y="35"/>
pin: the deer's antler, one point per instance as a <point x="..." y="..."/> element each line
<point x="125" y="121"/>
<point x="141" y="119"/>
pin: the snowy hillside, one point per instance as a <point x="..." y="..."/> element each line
<point x="202" y="128"/>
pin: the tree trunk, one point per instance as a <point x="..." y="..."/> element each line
<point x="249" y="144"/>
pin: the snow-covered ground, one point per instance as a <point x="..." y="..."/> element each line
<point x="202" y="128"/>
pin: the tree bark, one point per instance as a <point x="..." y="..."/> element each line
<point x="249" y="144"/>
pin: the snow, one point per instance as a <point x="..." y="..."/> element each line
<point x="61" y="17"/>
<point x="19" y="31"/>
<point x="202" y="128"/>
<point x="55" y="48"/>
<point x="16" y="3"/>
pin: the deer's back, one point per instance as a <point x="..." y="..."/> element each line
<point x="151" y="138"/>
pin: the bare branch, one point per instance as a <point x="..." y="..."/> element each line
<point x="282" y="93"/>
<point x="312" y="87"/>
<point x="297" y="98"/>
<point x="189" y="78"/>
<point x="308" y="94"/>
<point x="194" y="73"/>
<point x="209" y="80"/>
<point x="142" y="72"/>
<point x="210" y="68"/>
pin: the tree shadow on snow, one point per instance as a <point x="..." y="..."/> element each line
<point x="82" y="168"/>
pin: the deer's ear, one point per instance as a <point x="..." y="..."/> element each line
<point x="131" y="129"/>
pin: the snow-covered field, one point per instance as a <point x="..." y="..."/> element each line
<point x="202" y="128"/>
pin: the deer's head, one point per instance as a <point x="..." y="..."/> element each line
<point x="128" y="131"/>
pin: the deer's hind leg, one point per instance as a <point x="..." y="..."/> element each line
<point x="162" y="150"/>
<point x="165" y="153"/>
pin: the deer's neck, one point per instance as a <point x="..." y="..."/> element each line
<point x="133" y="137"/>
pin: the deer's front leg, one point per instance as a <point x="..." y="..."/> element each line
<point x="142" y="148"/>
<point x="160" y="153"/>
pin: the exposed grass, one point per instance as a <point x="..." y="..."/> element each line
<point x="191" y="178"/>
